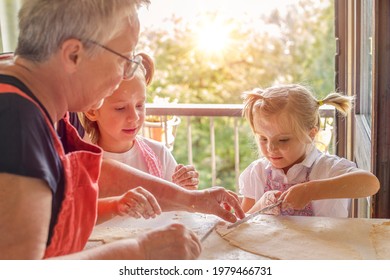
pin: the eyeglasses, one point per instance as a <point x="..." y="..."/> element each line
<point x="131" y="64"/>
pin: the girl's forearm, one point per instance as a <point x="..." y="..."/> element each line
<point x="350" y="185"/>
<point x="107" y="209"/>
<point x="117" y="178"/>
<point x="247" y="203"/>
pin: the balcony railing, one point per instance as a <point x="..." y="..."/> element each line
<point x="189" y="112"/>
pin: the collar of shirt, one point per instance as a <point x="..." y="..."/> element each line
<point x="297" y="173"/>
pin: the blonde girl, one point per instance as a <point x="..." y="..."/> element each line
<point x="285" y="120"/>
<point x="115" y="125"/>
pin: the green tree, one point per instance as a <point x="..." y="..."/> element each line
<point x="8" y="24"/>
<point x="296" y="46"/>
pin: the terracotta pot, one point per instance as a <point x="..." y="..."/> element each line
<point x="163" y="131"/>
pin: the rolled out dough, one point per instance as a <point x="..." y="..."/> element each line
<point x="380" y="235"/>
<point x="310" y="238"/>
<point x="110" y="234"/>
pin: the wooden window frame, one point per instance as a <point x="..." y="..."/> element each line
<point x="369" y="143"/>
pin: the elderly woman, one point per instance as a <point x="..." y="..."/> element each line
<point x="70" y="55"/>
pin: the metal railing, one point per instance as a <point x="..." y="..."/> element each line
<point x="212" y="111"/>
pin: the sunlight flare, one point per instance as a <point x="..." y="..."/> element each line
<point x="213" y="37"/>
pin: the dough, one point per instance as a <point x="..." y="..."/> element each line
<point x="380" y="236"/>
<point x="280" y="237"/>
<point x="110" y="234"/>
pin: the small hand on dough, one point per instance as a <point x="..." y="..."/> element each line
<point x="268" y="198"/>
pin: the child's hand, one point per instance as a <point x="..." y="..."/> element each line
<point x="296" y="197"/>
<point x="268" y="198"/>
<point x="186" y="176"/>
<point x="138" y="203"/>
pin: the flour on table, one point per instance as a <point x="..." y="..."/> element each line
<point x="316" y="238"/>
<point x="380" y="236"/>
<point x="110" y="234"/>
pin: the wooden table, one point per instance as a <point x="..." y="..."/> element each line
<point x="357" y="233"/>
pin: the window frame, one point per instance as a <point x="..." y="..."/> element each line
<point x="370" y="138"/>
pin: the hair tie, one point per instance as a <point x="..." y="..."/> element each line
<point x="320" y="102"/>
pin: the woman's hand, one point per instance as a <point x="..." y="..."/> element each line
<point x="220" y="202"/>
<point x="186" y="176"/>
<point x="173" y="242"/>
<point x="268" y="198"/>
<point x="138" y="203"/>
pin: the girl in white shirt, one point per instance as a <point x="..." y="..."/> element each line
<point x="114" y="127"/>
<point x="285" y="120"/>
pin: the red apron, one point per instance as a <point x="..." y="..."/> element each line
<point x="78" y="212"/>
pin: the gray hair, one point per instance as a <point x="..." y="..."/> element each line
<point x="45" y="24"/>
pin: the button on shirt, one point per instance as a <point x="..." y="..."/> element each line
<point x="253" y="179"/>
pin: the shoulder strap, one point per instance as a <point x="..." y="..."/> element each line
<point x="150" y="157"/>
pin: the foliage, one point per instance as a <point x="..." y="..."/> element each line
<point x="8" y="24"/>
<point x="283" y="47"/>
<point x="292" y="47"/>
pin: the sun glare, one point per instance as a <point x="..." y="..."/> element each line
<point x="213" y="37"/>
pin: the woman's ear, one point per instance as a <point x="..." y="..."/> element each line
<point x="92" y="115"/>
<point x="313" y="132"/>
<point x="71" y="51"/>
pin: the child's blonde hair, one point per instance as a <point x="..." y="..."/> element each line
<point x="145" y="71"/>
<point x="300" y="103"/>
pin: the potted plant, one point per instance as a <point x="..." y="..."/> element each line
<point x="161" y="128"/>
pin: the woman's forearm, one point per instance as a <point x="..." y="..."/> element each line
<point x="126" y="249"/>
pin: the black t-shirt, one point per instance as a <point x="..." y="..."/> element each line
<point x="26" y="144"/>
